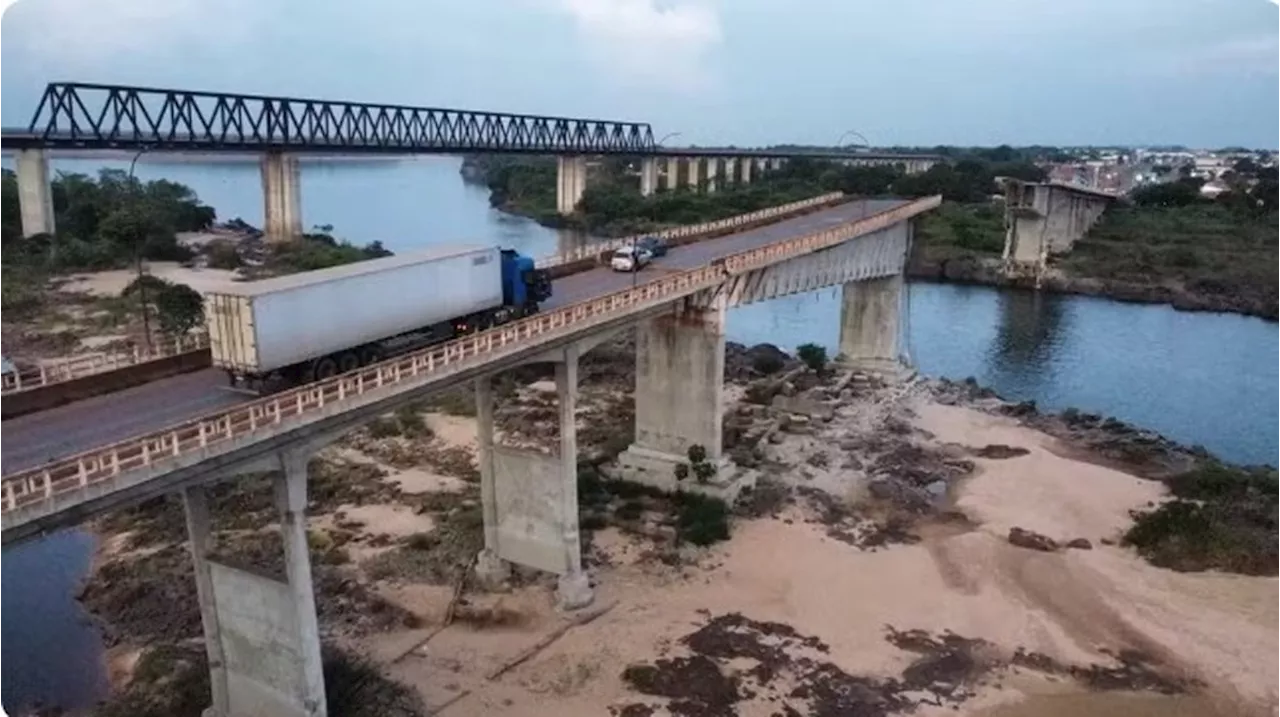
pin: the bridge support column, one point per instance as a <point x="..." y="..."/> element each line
<point x="713" y="169"/>
<point x="530" y="499"/>
<point x="35" y="194"/>
<point x="776" y="163"/>
<point x="648" y="176"/>
<point x="730" y="170"/>
<point x="673" y="173"/>
<point x="747" y="162"/>
<point x="282" y="197"/>
<point x="869" y="321"/>
<point x="571" y="182"/>
<point x="679" y="401"/>
<point x="261" y="635"/>
<point x="692" y="179"/>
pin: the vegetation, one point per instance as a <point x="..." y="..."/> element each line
<point x="813" y="356"/>
<point x="1221" y="518"/>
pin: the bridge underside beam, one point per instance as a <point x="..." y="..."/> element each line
<point x="530" y="499"/>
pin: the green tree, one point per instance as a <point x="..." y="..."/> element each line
<point x="180" y="309"/>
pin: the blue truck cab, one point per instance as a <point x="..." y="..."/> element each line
<point x="524" y="286"/>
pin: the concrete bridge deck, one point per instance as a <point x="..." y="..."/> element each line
<point x="32" y="440"/>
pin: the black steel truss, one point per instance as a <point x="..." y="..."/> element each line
<point x="91" y="116"/>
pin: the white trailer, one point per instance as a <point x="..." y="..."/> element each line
<point x="315" y="324"/>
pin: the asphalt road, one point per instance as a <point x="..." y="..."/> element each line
<point x="36" y="438"/>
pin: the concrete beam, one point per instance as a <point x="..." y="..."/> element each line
<point x="869" y="322"/>
<point x="680" y="400"/>
<point x="35" y="194"/>
<point x="673" y="173"/>
<point x="648" y="176"/>
<point x="281" y="197"/>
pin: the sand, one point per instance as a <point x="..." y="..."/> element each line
<point x="111" y="283"/>
<point x="1069" y="605"/>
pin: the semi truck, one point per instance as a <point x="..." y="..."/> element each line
<point x="306" y="327"/>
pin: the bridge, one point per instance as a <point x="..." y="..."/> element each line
<point x="1046" y="218"/>
<point x="529" y="499"/>
<point x="96" y="117"/>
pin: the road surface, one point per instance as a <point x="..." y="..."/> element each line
<point x="40" y="437"/>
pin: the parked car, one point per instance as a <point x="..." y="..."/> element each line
<point x="654" y="245"/>
<point x="630" y="258"/>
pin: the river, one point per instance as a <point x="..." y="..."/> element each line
<point x="1205" y="379"/>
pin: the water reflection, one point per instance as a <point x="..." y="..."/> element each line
<point x="1028" y="334"/>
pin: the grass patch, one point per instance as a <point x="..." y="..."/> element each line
<point x="1221" y="518"/>
<point x="701" y="520"/>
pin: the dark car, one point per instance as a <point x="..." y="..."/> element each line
<point x="655" y="246"/>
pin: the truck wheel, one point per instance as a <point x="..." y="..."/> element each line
<point x="323" y="368"/>
<point x="370" y="355"/>
<point x="348" y="361"/>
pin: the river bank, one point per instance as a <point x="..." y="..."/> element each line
<point x="987" y="271"/>
<point x="875" y="492"/>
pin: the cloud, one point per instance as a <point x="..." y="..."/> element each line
<point x="648" y="42"/>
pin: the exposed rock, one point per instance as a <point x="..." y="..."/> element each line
<point x="1080" y="544"/>
<point x="1031" y="540"/>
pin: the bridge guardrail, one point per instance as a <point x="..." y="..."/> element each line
<point x="79" y="366"/>
<point x="316" y="401"/>
<point x="597" y="248"/>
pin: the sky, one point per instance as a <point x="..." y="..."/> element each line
<point x="1202" y="73"/>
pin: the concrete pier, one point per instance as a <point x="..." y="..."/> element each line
<point x="648" y="176"/>
<point x="1046" y="219"/>
<point x="282" y="197"/>
<point x="713" y="169"/>
<point x="869" y="321"/>
<point x="571" y="182"/>
<point x="262" y="636"/>
<point x="730" y="170"/>
<point x="673" y="173"/>
<point x="776" y="163"/>
<point x="35" y="194"/>
<point x="693" y="179"/>
<point x="746" y="170"/>
<point x="530" y="499"/>
<point x="679" y="400"/>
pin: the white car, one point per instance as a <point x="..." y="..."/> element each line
<point x="630" y="258"/>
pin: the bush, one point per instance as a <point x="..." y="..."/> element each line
<point x="768" y="364"/>
<point x="224" y="255"/>
<point x="702" y="520"/>
<point x="813" y="356"/>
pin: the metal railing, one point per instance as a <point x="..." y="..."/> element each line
<point x="596" y="248"/>
<point x="73" y="367"/>
<point x="202" y="438"/>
